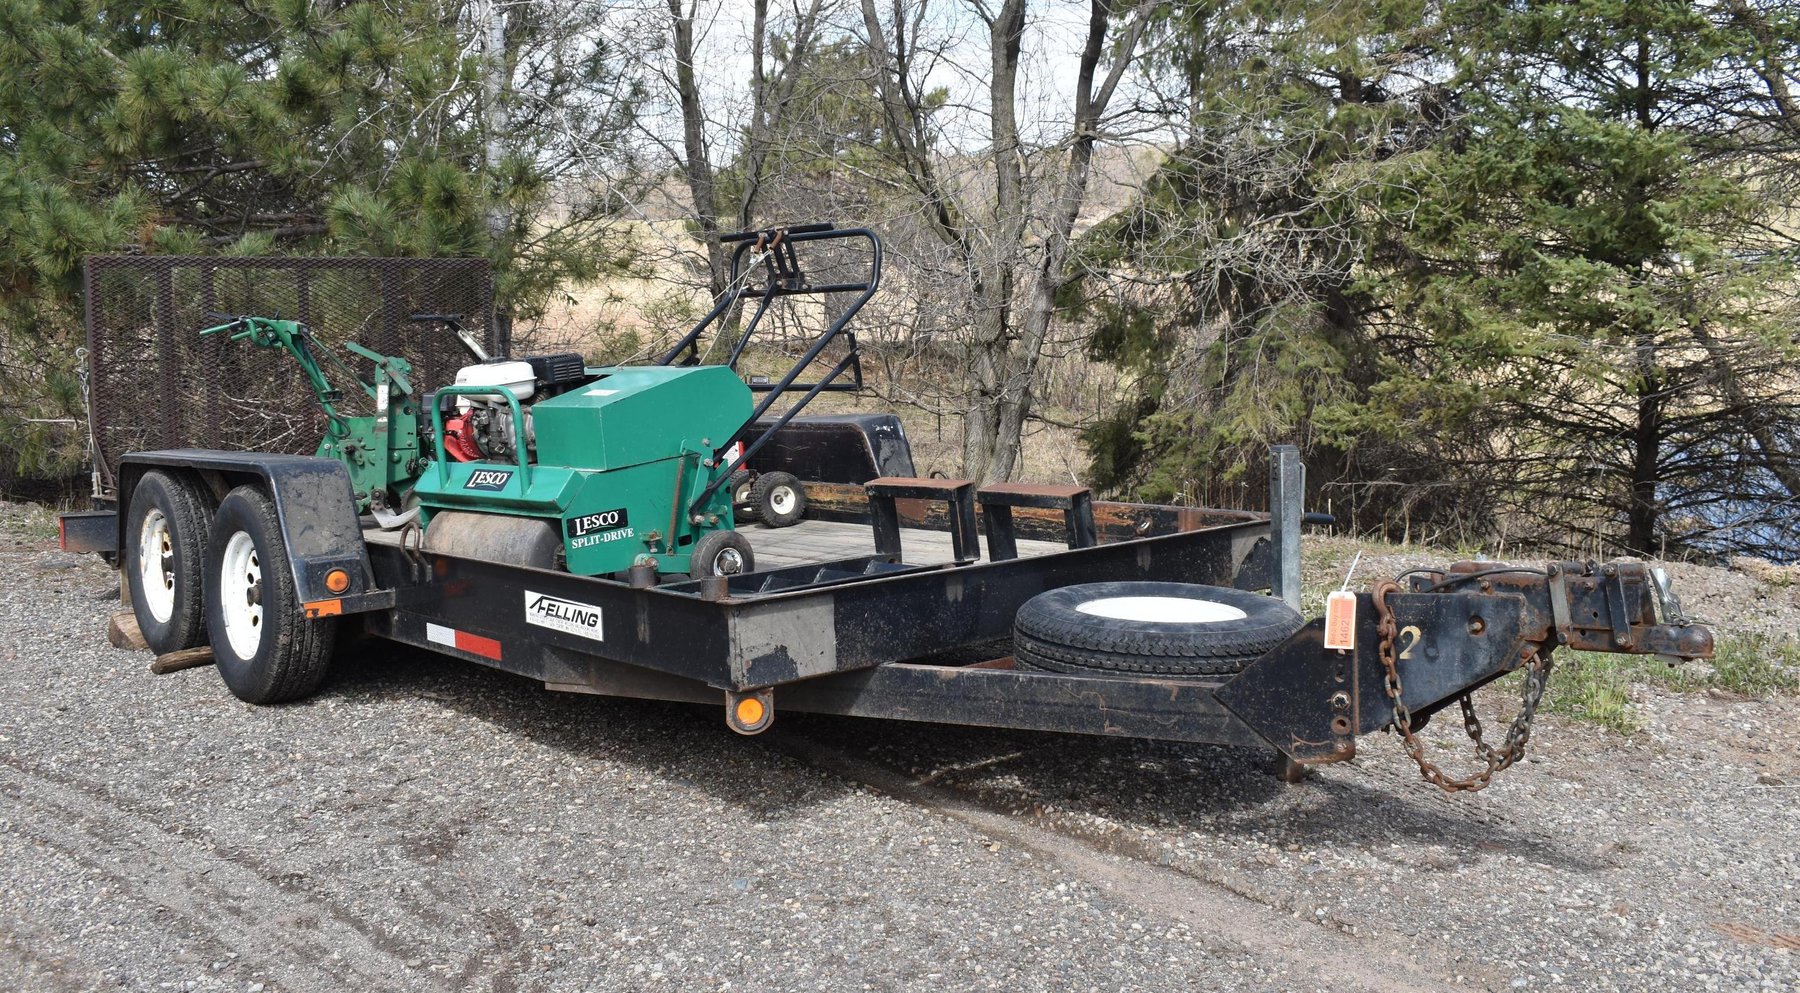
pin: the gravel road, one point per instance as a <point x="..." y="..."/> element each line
<point x="427" y="824"/>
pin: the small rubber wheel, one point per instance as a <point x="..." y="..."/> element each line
<point x="266" y="649"/>
<point x="743" y="488"/>
<point x="721" y="553"/>
<point x="165" y="556"/>
<point x="779" y="499"/>
<point x="1167" y="629"/>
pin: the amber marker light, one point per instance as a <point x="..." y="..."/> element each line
<point x="750" y="711"/>
<point x="337" y="580"/>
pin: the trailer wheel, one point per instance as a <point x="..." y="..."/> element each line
<point x="266" y="649"/>
<point x="779" y="499"/>
<point x="743" y="491"/>
<point x="165" y="554"/>
<point x="721" y="553"/>
<point x="1168" y="629"/>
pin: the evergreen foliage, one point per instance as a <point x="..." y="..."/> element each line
<point x="1494" y="265"/>
<point x="189" y="126"/>
<point x="1590" y="293"/>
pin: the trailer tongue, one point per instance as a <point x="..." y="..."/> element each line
<point x="1419" y="646"/>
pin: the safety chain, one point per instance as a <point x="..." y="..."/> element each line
<point x="1537" y="674"/>
<point x="102" y="475"/>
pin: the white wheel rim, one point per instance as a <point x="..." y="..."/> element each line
<point x="729" y="562"/>
<point x="1162" y="609"/>
<point x="781" y="499"/>
<point x="156" y="561"/>
<point x="240" y="595"/>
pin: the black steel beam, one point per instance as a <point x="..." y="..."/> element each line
<point x="1115" y="706"/>
<point x="88" y="531"/>
<point x="750" y="640"/>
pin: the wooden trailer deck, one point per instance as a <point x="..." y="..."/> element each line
<point x="825" y="541"/>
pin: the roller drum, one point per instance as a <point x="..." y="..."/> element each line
<point x="527" y="541"/>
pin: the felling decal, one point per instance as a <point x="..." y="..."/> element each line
<point x="566" y="616"/>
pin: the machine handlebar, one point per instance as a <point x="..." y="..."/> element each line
<point x="240" y="326"/>
<point x="813" y="228"/>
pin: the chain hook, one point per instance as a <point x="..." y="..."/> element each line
<point x="1537" y="674"/>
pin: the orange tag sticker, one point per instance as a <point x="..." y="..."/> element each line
<point x="1340" y="620"/>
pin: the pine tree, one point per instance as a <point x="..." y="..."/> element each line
<point x="1592" y="294"/>
<point x="1231" y="287"/>
<point x="192" y="126"/>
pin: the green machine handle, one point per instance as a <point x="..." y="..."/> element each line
<point x="269" y="332"/>
<point x="437" y="426"/>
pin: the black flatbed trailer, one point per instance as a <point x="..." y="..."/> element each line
<point x="871" y="635"/>
<point x="862" y="624"/>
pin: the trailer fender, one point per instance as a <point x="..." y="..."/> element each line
<point x="314" y="503"/>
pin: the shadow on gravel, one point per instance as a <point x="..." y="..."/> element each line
<point x="680" y="743"/>
<point x="1169" y="788"/>
<point x="1173" y="788"/>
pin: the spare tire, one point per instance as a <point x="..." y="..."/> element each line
<point x="1164" y="629"/>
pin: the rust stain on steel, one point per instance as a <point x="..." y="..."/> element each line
<point x="1006" y="662"/>
<point x="1061" y="491"/>
<point x="944" y="484"/>
<point x="1113" y="521"/>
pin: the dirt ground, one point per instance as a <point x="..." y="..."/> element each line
<point x="429" y="824"/>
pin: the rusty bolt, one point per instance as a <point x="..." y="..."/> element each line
<point x="1477" y="625"/>
<point x="1340" y="700"/>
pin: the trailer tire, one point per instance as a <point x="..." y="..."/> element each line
<point x="267" y="650"/>
<point x="779" y="499"/>
<point x="1166" y="629"/>
<point x="743" y="493"/>
<point x="165" y="559"/>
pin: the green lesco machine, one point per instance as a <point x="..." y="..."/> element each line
<point x="539" y="461"/>
<point x="544" y="461"/>
<point x="614" y="470"/>
<point x="381" y="451"/>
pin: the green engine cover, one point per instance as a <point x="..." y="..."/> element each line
<point x="618" y="463"/>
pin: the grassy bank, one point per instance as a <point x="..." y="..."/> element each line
<point x="1597" y="688"/>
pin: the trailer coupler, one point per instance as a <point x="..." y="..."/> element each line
<point x="1392" y="657"/>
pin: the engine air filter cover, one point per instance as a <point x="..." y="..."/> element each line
<point x="562" y="367"/>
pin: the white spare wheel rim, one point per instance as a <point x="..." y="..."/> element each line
<point x="781" y="499"/>
<point x="1161" y="609"/>
<point x="240" y="595"/>
<point x="156" y="558"/>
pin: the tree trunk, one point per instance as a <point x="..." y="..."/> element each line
<point x="494" y="77"/>
<point x="698" y="167"/>
<point x="1010" y="392"/>
<point x="1007" y="335"/>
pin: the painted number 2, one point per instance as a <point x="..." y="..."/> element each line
<point x="1409" y="639"/>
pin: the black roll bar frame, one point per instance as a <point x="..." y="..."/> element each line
<point x="785" y="277"/>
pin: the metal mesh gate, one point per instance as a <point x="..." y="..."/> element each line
<point x="155" y="383"/>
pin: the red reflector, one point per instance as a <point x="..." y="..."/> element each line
<point x="463" y="641"/>
<point x="478" y="645"/>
